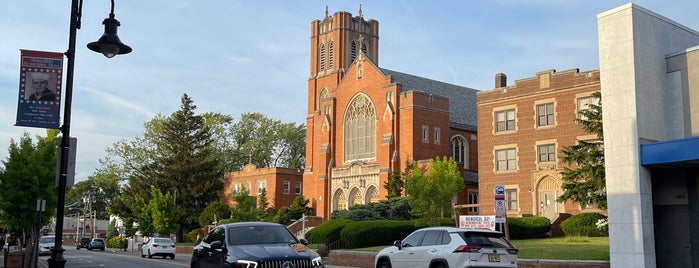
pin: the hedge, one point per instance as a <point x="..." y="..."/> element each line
<point x="585" y="224"/>
<point x="528" y="227"/>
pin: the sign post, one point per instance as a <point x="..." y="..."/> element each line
<point x="500" y="210"/>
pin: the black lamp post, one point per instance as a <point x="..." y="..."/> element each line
<point x="109" y="45"/>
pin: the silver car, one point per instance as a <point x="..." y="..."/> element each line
<point x="46" y="244"/>
<point x="441" y="247"/>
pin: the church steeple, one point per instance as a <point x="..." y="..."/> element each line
<point x="336" y="41"/>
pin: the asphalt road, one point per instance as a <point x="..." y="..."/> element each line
<point x="118" y="259"/>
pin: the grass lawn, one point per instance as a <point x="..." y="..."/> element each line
<point x="564" y="248"/>
<point x="559" y="248"/>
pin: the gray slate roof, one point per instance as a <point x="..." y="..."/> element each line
<point x="462" y="100"/>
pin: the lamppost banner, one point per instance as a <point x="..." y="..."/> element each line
<point x="39" y="98"/>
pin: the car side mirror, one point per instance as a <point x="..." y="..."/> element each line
<point x="216" y="245"/>
<point x="303" y="241"/>
<point x="398" y="244"/>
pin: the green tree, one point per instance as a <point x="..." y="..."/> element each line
<point x="431" y="194"/>
<point x="264" y="211"/>
<point x="27" y="175"/>
<point x="266" y="142"/>
<point x="164" y="212"/>
<point x="394" y="185"/>
<point x="299" y="207"/>
<point x="214" y="212"/>
<point x="584" y="178"/>
<point x="185" y="165"/>
<point x="244" y="208"/>
<point x="103" y="187"/>
<point x="112" y="230"/>
<point x="144" y="217"/>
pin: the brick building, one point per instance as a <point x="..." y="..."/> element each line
<point x="521" y="130"/>
<point x="281" y="184"/>
<point x="364" y="122"/>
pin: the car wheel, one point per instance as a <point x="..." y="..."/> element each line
<point x="384" y="264"/>
<point x="102" y="249"/>
<point x="149" y="255"/>
<point x="142" y="256"/>
<point x="172" y="256"/>
<point x="438" y="265"/>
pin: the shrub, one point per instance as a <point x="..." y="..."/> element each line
<point x="585" y="224"/>
<point x="322" y="233"/>
<point x="119" y="242"/>
<point x="528" y="227"/>
<point x="375" y="233"/>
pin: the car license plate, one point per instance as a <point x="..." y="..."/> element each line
<point x="493" y="258"/>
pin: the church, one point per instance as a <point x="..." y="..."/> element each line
<point x="365" y="122"/>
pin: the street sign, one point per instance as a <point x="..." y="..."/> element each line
<point x="500" y="210"/>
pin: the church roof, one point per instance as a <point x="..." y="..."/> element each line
<point x="462" y="100"/>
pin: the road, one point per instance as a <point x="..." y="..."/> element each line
<point x="118" y="259"/>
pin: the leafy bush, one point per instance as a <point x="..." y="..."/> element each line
<point x="322" y="233"/>
<point x="119" y="242"/>
<point x="585" y="224"/>
<point x="528" y="227"/>
<point x="375" y="233"/>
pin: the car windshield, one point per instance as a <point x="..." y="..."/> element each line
<point x="485" y="239"/>
<point x="97" y="241"/>
<point x="46" y="240"/>
<point x="260" y="235"/>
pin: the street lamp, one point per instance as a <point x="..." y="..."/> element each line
<point x="109" y="45"/>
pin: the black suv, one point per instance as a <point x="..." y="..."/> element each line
<point x="253" y="244"/>
<point x="82" y="243"/>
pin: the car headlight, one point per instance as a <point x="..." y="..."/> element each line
<point x="317" y="262"/>
<point x="246" y="264"/>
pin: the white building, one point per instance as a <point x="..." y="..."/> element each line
<point x="649" y="69"/>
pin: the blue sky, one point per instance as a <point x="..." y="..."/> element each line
<point x="234" y="57"/>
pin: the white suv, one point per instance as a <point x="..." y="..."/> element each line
<point x="441" y="247"/>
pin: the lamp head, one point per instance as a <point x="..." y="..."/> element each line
<point x="109" y="44"/>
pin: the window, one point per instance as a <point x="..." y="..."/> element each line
<point x="511" y="199"/>
<point x="286" y="187"/>
<point x="249" y="186"/>
<point x="297" y="189"/>
<point x="473" y="199"/>
<point x="353" y="51"/>
<point x="459" y="150"/>
<point x="261" y="185"/>
<point x="321" y="57"/>
<point x="505" y="120"/>
<point x="414" y="239"/>
<point x="547" y="153"/>
<point x="544" y="115"/>
<point x="425" y="134"/>
<point x="365" y="48"/>
<point x="584" y="104"/>
<point x="330" y="55"/>
<point x="360" y="133"/>
<point x="235" y="188"/>
<point x="505" y="159"/>
<point x="436" y="135"/>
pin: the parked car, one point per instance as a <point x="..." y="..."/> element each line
<point x="46" y="243"/>
<point x="158" y="246"/>
<point x="449" y="247"/>
<point x="82" y="243"/>
<point x="96" y="243"/>
<point x="253" y="244"/>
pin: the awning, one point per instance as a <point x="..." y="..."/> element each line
<point x="671" y="153"/>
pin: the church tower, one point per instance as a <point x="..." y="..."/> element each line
<point x="336" y="42"/>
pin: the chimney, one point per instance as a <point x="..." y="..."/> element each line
<point x="500" y="80"/>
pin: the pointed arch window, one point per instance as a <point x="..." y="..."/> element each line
<point x="322" y="96"/>
<point x="360" y="129"/>
<point x="321" y="57"/>
<point x="459" y="150"/>
<point x="353" y="51"/>
<point x="365" y="48"/>
<point x="330" y="54"/>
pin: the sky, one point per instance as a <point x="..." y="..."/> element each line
<point x="234" y="57"/>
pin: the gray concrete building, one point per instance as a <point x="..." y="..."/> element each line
<point x="649" y="75"/>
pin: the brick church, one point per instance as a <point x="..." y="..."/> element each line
<point x="365" y="122"/>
